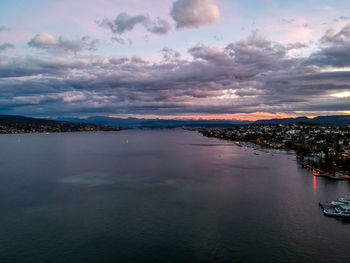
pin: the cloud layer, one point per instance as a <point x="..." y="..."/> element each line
<point x="251" y="75"/>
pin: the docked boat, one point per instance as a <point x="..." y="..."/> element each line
<point x="341" y="201"/>
<point x="317" y="172"/>
<point x="338" y="203"/>
<point x="345" y="199"/>
<point x="341" y="211"/>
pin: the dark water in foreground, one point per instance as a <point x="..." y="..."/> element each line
<point x="160" y="196"/>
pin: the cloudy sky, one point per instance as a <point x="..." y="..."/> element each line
<point x="227" y="59"/>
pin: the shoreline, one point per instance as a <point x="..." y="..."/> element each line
<point x="56" y="132"/>
<point x="339" y="175"/>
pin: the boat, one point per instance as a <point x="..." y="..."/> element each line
<point x="341" y="201"/>
<point x="345" y="199"/>
<point x="341" y="211"/>
<point x="338" y="203"/>
<point x="318" y="172"/>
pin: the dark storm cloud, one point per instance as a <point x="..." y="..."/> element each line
<point x="125" y="22"/>
<point x="63" y="44"/>
<point x="250" y="75"/>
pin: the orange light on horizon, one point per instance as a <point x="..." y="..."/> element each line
<point x="311" y="116"/>
<point x="253" y="116"/>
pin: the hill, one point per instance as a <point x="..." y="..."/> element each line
<point x="337" y="120"/>
<point x="20" y="124"/>
<point x="134" y="123"/>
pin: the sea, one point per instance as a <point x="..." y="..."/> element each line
<point x="167" y="195"/>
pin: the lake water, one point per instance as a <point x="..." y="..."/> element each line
<point x="161" y="196"/>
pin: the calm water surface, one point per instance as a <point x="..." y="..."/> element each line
<point x="161" y="196"/>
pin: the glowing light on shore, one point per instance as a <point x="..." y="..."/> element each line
<point x="315" y="184"/>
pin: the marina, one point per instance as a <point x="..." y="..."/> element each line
<point x="337" y="208"/>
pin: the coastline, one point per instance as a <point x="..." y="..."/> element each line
<point x="316" y="171"/>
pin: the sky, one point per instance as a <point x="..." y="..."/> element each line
<point x="183" y="59"/>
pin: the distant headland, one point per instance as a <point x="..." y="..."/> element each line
<point x="10" y="124"/>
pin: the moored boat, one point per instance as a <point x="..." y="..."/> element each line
<point x="345" y="199"/>
<point x="338" y="203"/>
<point x="341" y="211"/>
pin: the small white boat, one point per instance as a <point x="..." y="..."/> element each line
<point x="341" y="201"/>
<point x="341" y="211"/>
<point x="337" y="202"/>
<point x="345" y="199"/>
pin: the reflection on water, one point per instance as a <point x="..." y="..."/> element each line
<point x="88" y="179"/>
<point x="161" y="196"/>
<point x="315" y="184"/>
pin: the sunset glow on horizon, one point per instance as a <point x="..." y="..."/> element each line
<point x="255" y="116"/>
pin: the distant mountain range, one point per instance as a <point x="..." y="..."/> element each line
<point x="18" y="124"/>
<point x="132" y="123"/>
